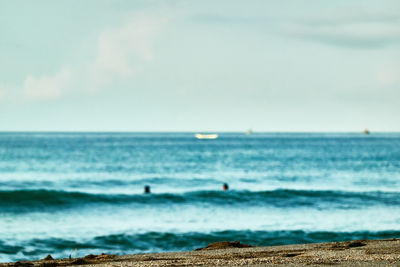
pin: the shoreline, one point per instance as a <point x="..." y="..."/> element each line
<point x="348" y="253"/>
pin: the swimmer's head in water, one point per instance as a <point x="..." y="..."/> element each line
<point x="225" y="187"/>
<point x="147" y="189"/>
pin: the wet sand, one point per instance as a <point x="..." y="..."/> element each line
<point x="350" y="253"/>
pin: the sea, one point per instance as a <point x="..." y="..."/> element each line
<point x="74" y="194"/>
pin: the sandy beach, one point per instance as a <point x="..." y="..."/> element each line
<point x="351" y="253"/>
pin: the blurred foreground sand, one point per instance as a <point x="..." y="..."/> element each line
<point x="350" y="253"/>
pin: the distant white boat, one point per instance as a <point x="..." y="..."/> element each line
<point x="249" y="131"/>
<point x="206" y="136"/>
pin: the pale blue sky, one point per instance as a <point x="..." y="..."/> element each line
<point x="306" y="65"/>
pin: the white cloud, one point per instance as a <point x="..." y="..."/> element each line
<point x="388" y="74"/>
<point x="47" y="87"/>
<point x="2" y="92"/>
<point x="121" y="52"/>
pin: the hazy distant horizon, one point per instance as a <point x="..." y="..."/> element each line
<point x="218" y="132"/>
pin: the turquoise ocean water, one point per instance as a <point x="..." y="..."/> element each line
<point x="80" y="193"/>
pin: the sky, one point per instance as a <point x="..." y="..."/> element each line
<point x="212" y="66"/>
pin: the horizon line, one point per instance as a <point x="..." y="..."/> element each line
<point x="207" y="131"/>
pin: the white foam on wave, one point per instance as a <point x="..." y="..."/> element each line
<point x="87" y="223"/>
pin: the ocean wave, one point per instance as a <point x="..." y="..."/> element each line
<point x="45" y="200"/>
<point x="169" y="241"/>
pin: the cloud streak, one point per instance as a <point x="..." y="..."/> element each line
<point x="367" y="35"/>
<point x="358" y="29"/>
